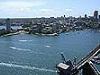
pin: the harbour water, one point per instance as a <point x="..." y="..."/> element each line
<point x="27" y="54"/>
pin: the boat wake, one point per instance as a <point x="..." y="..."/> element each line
<point x="47" y="46"/>
<point x="27" y="50"/>
<point x="25" y="67"/>
<point x="20" y="49"/>
<point x="25" y="40"/>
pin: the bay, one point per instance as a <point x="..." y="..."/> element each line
<point x="27" y="54"/>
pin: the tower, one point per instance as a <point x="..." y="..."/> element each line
<point x="8" y="25"/>
<point x="95" y="14"/>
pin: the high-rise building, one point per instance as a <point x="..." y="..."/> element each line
<point x="85" y="15"/>
<point x="64" y="15"/>
<point x="95" y="14"/>
<point x="8" y="25"/>
<point x="99" y="16"/>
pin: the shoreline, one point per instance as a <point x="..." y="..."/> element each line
<point x="10" y="34"/>
<point x="53" y="34"/>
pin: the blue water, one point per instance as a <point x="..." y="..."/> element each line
<point x="26" y="54"/>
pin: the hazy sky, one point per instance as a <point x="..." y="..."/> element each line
<point x="47" y="8"/>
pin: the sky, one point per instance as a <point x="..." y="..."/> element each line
<point x="47" y="8"/>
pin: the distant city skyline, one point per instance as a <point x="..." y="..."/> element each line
<point x="47" y="8"/>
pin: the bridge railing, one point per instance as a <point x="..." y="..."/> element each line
<point x="90" y="56"/>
